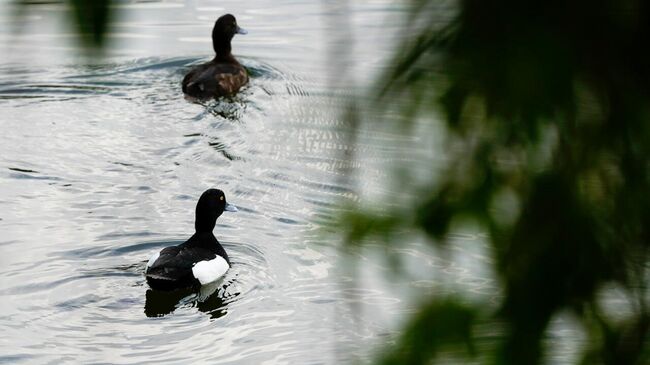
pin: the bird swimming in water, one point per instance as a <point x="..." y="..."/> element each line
<point x="201" y="259"/>
<point x="224" y="75"/>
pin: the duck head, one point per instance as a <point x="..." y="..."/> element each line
<point x="211" y="205"/>
<point x="224" y="29"/>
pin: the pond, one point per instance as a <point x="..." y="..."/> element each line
<point x="102" y="162"/>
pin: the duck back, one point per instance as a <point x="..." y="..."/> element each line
<point x="174" y="267"/>
<point x="215" y="79"/>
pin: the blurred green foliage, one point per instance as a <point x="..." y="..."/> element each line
<point x="90" y="18"/>
<point x="546" y="103"/>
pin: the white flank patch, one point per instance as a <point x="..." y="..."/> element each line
<point x="208" y="271"/>
<point x="153" y="259"/>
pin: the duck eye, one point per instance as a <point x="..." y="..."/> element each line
<point x="221" y="197"/>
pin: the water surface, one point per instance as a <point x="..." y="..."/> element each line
<point x="102" y="162"/>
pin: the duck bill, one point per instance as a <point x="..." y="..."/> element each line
<point x="241" y="30"/>
<point x="230" y="208"/>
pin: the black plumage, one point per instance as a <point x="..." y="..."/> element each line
<point x="172" y="269"/>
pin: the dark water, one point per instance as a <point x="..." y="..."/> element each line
<point x="101" y="164"/>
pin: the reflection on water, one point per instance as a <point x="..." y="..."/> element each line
<point x="207" y="300"/>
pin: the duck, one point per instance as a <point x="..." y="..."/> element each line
<point x="201" y="259"/>
<point x="223" y="75"/>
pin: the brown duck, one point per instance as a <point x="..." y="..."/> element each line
<point x="224" y="75"/>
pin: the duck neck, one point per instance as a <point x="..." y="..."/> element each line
<point x="203" y="227"/>
<point x="222" y="48"/>
<point x="205" y="223"/>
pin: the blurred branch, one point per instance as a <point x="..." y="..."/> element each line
<point x="91" y="18"/>
<point x="563" y="89"/>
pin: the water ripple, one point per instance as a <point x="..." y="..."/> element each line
<point x="103" y="166"/>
